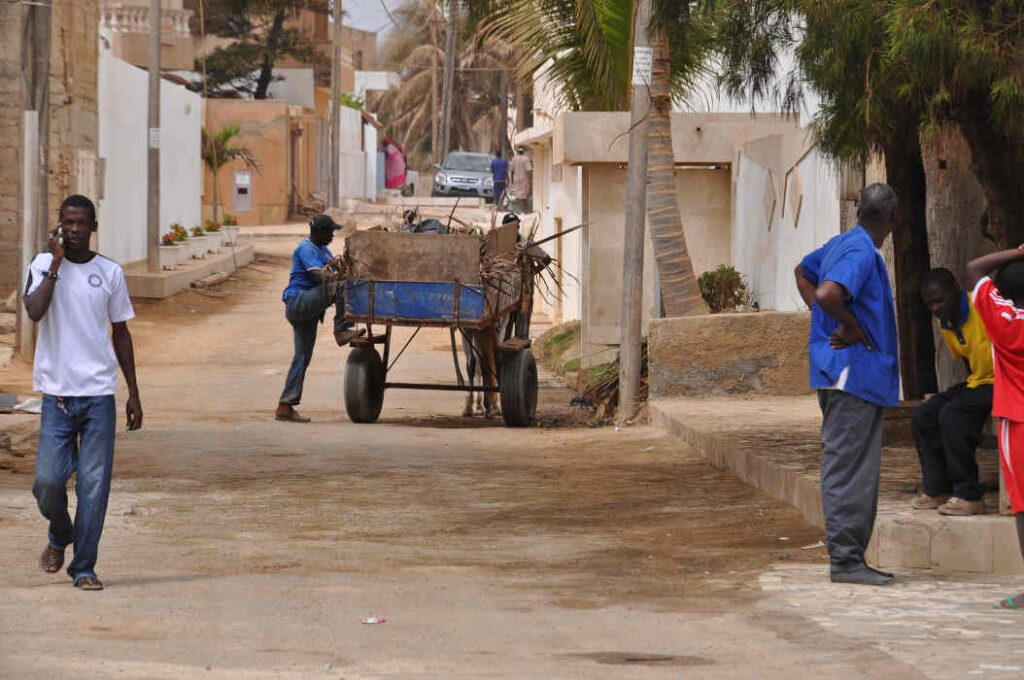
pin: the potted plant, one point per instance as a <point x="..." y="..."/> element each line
<point x="230" y="229"/>
<point x="170" y="251"/>
<point x="198" y="241"/>
<point x="212" y="229"/>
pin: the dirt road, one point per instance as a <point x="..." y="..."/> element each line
<point x="239" y="547"/>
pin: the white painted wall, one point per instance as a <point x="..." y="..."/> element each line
<point x="375" y="81"/>
<point x="295" y="86"/>
<point x="767" y="245"/>
<point x="123" y="97"/>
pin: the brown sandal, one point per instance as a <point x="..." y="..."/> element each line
<point x="88" y="583"/>
<point x="52" y="559"/>
<point x="289" y="415"/>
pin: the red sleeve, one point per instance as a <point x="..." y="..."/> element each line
<point x="1003" y="321"/>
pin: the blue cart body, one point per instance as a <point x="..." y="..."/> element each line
<point x="415" y="303"/>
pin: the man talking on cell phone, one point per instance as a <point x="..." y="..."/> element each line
<point x="75" y="294"/>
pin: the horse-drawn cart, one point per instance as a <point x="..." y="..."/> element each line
<point x="474" y="287"/>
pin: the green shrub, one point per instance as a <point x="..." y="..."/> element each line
<point x="723" y="290"/>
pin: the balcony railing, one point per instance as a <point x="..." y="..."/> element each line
<point x="124" y="18"/>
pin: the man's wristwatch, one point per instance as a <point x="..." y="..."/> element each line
<point x="53" y="276"/>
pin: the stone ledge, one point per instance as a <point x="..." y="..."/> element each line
<point x="771" y="443"/>
<point x="142" y="284"/>
<point x="717" y="354"/>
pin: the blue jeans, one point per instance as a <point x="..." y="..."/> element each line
<point x="76" y="434"/>
<point x="304" y="310"/>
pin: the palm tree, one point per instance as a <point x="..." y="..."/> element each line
<point x="587" y="44"/>
<point x="406" y="110"/>
<point x="218" y="151"/>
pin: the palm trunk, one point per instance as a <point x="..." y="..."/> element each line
<point x="269" y="56"/>
<point x="679" y="292"/>
<point x="215" y="174"/>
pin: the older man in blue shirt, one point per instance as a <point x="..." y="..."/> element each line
<point x="854" y="365"/>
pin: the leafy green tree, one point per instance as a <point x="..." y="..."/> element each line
<point x="245" y="67"/>
<point x="219" y="150"/>
<point x="841" y="52"/>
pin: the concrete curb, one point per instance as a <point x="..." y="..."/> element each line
<point x="903" y="538"/>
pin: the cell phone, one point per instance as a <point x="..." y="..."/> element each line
<point x="60" y="235"/>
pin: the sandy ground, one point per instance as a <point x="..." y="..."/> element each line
<point x="239" y="547"/>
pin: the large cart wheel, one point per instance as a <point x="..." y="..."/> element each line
<point x="518" y="383"/>
<point x="364" y="385"/>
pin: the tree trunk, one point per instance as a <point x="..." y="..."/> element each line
<point x="448" y="82"/>
<point x="679" y="291"/>
<point x="215" y="174"/>
<point x="631" y="314"/>
<point x="269" y="56"/>
<point x="904" y="170"/>
<point x="956" y="211"/>
<point x="996" y="161"/>
<point x="504" y="113"/>
<point x="434" y="107"/>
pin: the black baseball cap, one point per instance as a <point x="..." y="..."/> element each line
<point x="509" y="217"/>
<point x="323" y="221"/>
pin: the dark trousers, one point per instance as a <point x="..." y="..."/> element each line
<point x="851" y="434"/>
<point x="947" y="428"/>
<point x="304" y="311"/>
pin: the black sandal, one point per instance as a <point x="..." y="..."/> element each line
<point x="88" y="583"/>
<point x="52" y="559"/>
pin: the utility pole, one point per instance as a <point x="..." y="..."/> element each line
<point x="631" y="318"/>
<point x="35" y="128"/>
<point x="153" y="157"/>
<point x="434" y="107"/>
<point x="448" y="83"/>
<point x="334" y="134"/>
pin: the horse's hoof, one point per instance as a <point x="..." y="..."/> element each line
<point x="467" y="413"/>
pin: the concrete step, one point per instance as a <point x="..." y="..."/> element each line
<point x="772" y="443"/>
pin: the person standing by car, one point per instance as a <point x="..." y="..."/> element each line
<point x="76" y="295"/>
<point x="521" y="171"/>
<point x="499" y="175"/>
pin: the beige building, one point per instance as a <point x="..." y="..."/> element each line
<point x="128" y="24"/>
<point x="284" y="140"/>
<point x="580" y="177"/>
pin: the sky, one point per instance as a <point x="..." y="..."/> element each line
<point x="369" y="15"/>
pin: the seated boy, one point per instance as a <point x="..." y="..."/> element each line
<point x="948" y="426"/>
<point x="1000" y="304"/>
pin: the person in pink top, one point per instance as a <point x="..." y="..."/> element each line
<point x="394" y="165"/>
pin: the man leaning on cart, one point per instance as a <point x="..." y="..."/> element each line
<point x="306" y="299"/>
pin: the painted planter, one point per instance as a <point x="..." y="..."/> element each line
<point x="213" y="241"/>
<point x="170" y="256"/>
<point x="230" y="234"/>
<point x="197" y="244"/>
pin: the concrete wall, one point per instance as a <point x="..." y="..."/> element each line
<point x="705" y="204"/>
<point x="556" y="199"/>
<point x="603" y="137"/>
<point x="10" y="146"/>
<point x="729" y="354"/>
<point x="264" y="130"/>
<point x="295" y="87"/>
<point x="123" y="91"/>
<point x="776" y="178"/>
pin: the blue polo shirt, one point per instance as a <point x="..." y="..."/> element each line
<point x="852" y="261"/>
<point x="306" y="256"/>
<point x="499" y="169"/>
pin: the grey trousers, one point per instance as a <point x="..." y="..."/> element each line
<point x="851" y="434"/>
<point x="304" y="311"/>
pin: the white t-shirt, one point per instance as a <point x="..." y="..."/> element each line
<point x="74" y="353"/>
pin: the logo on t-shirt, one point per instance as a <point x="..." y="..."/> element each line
<point x="95" y="281"/>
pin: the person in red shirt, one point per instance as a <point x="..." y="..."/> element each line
<point x="999" y="300"/>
